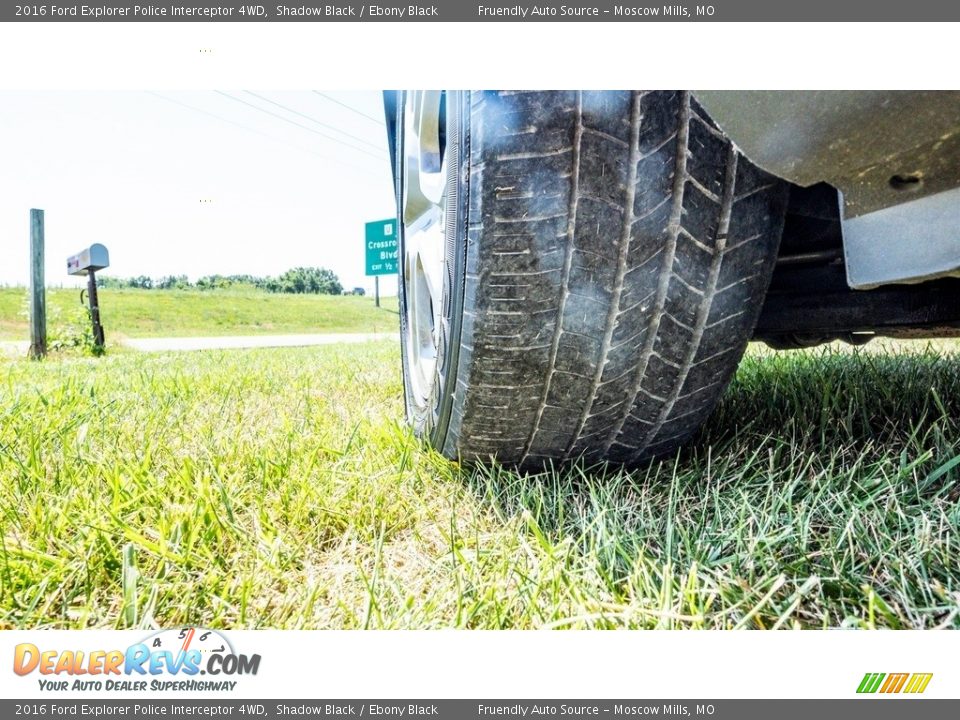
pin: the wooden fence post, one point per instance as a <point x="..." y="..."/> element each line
<point x="38" y="292"/>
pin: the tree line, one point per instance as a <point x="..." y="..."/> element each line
<point x="300" y="280"/>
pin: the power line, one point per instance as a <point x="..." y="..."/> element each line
<point x="258" y="132"/>
<point x="349" y="107"/>
<point x="313" y="119"/>
<point x="207" y="113"/>
<point x="299" y="125"/>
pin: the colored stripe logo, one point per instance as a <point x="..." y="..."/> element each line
<point x="913" y="683"/>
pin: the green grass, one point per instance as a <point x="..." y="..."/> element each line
<point x="189" y="313"/>
<point x="281" y="489"/>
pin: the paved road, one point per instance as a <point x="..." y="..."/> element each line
<point x="226" y="343"/>
<point x="251" y="341"/>
<point x="14" y="347"/>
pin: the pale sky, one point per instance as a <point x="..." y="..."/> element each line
<point x="130" y="169"/>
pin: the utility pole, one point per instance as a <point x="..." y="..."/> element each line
<point x="38" y="292"/>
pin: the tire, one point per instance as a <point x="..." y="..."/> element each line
<point x="606" y="258"/>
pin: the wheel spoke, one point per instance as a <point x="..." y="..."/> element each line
<point x="431" y="258"/>
<point x="424" y="185"/>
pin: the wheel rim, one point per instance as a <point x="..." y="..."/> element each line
<point x="425" y="176"/>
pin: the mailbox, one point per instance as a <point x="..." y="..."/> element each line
<point x="89" y="260"/>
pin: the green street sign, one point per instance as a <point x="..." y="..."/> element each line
<point x="381" y="244"/>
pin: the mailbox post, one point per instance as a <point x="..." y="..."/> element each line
<point x="87" y="262"/>
<point x="98" y="338"/>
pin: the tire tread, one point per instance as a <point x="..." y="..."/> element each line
<point x="617" y="258"/>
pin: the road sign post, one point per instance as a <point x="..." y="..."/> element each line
<point x="380" y="241"/>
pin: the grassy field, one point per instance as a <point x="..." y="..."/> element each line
<point x="281" y="489"/>
<point x="187" y="313"/>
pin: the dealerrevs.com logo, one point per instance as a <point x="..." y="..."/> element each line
<point x="182" y="660"/>
<point x="892" y="683"/>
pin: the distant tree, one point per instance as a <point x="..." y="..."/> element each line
<point x="142" y="281"/>
<point x="218" y="282"/>
<point x="303" y="280"/>
<point x="105" y="281"/>
<point x="212" y="282"/>
<point x="172" y="282"/>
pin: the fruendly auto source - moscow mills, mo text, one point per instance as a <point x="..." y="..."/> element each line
<point x="625" y="11"/>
